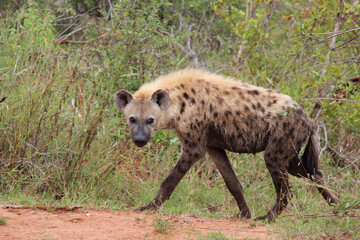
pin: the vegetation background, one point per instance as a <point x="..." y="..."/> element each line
<point x="63" y="143"/>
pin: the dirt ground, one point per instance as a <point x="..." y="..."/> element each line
<point x="39" y="222"/>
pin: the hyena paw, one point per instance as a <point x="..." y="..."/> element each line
<point x="149" y="207"/>
<point x="269" y="217"/>
<point x="244" y="215"/>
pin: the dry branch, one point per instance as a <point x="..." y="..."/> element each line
<point x="65" y="41"/>
<point x="332" y="99"/>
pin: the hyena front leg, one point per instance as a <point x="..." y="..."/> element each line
<point x="222" y="162"/>
<point x="187" y="159"/>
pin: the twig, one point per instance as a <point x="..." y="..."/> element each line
<point x="277" y="50"/>
<point x="201" y="167"/>
<point x="77" y="20"/>
<point x="111" y="9"/>
<point x="279" y="68"/>
<point x="68" y="35"/>
<point x="313" y="215"/>
<point x="22" y="71"/>
<point x="334" y="35"/>
<point x="16" y="62"/>
<point x="352" y="163"/>
<point x="338" y="24"/>
<point x="72" y="24"/>
<point x="58" y="19"/>
<point x="320" y="64"/>
<point x="352" y="39"/>
<point x="342" y="157"/>
<point x="65" y="41"/>
<point x="343" y="74"/>
<point x="45" y="208"/>
<point x="333" y="99"/>
<point x="344" y="31"/>
<point x="322" y="125"/>
<point x="226" y="229"/>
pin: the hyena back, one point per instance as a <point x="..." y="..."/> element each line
<point x="212" y="113"/>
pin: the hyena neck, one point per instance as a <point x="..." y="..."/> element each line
<point x="167" y="120"/>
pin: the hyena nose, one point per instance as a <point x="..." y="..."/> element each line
<point x="140" y="142"/>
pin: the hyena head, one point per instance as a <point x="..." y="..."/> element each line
<point x="142" y="115"/>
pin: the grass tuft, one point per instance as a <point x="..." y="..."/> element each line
<point x="161" y="225"/>
<point x="3" y="221"/>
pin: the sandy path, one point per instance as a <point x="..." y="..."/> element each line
<point x="36" y="223"/>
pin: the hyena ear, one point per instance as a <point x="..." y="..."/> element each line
<point x="121" y="99"/>
<point x="162" y="98"/>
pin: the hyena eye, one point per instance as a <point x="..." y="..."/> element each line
<point x="150" y="121"/>
<point x="132" y="120"/>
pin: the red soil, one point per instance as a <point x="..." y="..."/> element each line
<point x="76" y="223"/>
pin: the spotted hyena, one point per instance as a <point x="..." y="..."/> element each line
<point x="213" y="113"/>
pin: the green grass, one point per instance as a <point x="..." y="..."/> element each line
<point x="212" y="236"/>
<point x="63" y="143"/>
<point x="3" y="221"/>
<point x="218" y="236"/>
<point x="161" y="225"/>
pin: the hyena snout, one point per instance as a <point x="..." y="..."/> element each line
<point x="141" y="136"/>
<point x="140" y="141"/>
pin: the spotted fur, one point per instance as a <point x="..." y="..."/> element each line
<point x="212" y="113"/>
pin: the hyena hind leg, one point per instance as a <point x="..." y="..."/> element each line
<point x="281" y="182"/>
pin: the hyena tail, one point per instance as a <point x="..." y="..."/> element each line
<point x="310" y="161"/>
<point x="311" y="155"/>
